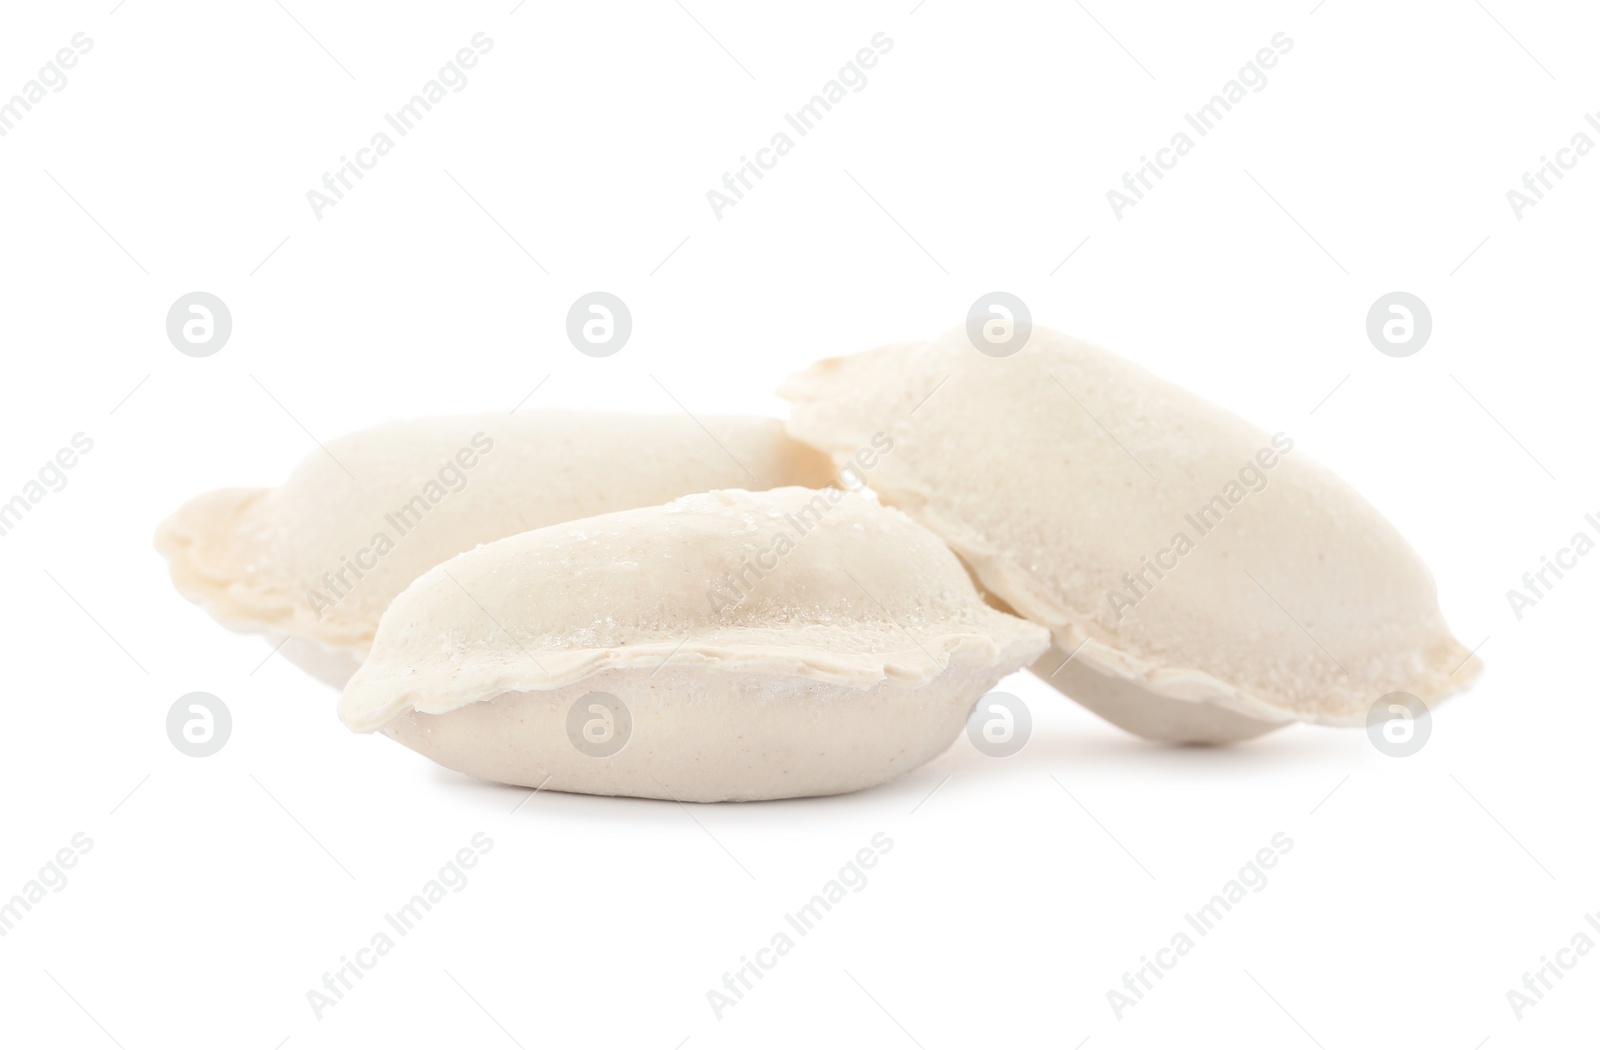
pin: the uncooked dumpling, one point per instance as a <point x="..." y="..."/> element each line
<point x="727" y="646"/>
<point x="1208" y="581"/>
<point x="317" y="560"/>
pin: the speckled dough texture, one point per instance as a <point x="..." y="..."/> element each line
<point x="318" y="559"/>
<point x="766" y="645"/>
<point x="1062" y="471"/>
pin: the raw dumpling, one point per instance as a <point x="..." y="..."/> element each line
<point x="727" y="646"/>
<point x="317" y="560"/>
<point x="1207" y="581"/>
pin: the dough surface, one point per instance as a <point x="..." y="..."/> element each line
<point x="318" y="559"/>
<point x="1210" y="582"/>
<point x="765" y="645"/>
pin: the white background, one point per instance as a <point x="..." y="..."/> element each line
<point x="978" y="156"/>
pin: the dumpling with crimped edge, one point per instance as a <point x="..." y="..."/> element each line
<point x="313" y="563"/>
<point x="726" y="646"/>
<point x="1203" y="581"/>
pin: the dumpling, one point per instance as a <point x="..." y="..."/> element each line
<point x="314" y="563"/>
<point x="1203" y="581"/>
<point x="726" y="646"/>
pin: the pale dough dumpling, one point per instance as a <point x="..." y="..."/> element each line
<point x="1209" y="582"/>
<point x="727" y="646"/>
<point x="317" y="560"/>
